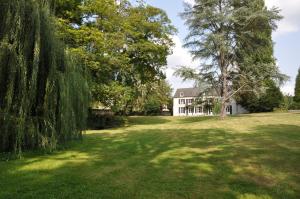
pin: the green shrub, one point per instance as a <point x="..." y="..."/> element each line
<point x="217" y="108"/>
<point x="104" y="121"/>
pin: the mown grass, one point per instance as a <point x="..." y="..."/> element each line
<point x="245" y="157"/>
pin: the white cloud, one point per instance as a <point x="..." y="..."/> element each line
<point x="288" y="89"/>
<point x="290" y="10"/>
<point x="180" y="57"/>
<point x="189" y="1"/>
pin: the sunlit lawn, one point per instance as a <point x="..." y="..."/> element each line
<point x="252" y="156"/>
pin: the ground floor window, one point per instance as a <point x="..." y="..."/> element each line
<point x="229" y="109"/>
<point x="191" y="110"/>
<point x="181" y="109"/>
<point x="199" y="110"/>
<point x="209" y="110"/>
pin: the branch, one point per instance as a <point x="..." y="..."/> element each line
<point x="235" y="92"/>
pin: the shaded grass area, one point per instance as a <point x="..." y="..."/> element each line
<point x="145" y="120"/>
<point x="253" y="156"/>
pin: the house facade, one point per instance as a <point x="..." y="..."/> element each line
<point x="193" y="102"/>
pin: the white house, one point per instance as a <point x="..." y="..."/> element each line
<point x="194" y="102"/>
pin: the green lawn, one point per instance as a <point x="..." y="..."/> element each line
<point x="246" y="157"/>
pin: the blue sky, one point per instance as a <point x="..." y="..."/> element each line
<point x="286" y="38"/>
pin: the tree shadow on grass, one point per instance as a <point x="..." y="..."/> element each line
<point x="187" y="120"/>
<point x="168" y="163"/>
<point x="147" y="120"/>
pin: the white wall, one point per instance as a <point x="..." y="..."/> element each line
<point x="236" y="108"/>
<point x="176" y="107"/>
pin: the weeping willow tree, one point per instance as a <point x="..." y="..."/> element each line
<point x="43" y="90"/>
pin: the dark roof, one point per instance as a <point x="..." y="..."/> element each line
<point x="187" y="92"/>
<point x="192" y="92"/>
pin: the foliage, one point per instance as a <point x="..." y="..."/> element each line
<point x="271" y="99"/>
<point x="151" y="97"/>
<point x="295" y="106"/>
<point x="124" y="46"/>
<point x="228" y="37"/>
<point x="297" y="88"/>
<point x="263" y="102"/>
<point x="43" y="91"/>
<point x="152" y="106"/>
<point x="287" y="102"/>
<point x="217" y="107"/>
<point x="104" y="121"/>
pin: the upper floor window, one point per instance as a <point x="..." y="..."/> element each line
<point x="190" y="101"/>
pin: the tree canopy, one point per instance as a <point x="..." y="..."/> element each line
<point x="233" y="41"/>
<point x="297" y="88"/>
<point x="44" y="94"/>
<point x="266" y="101"/>
<point x="123" y="46"/>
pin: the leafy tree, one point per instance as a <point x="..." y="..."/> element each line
<point x="216" y="107"/>
<point x="123" y="46"/>
<point x="152" y="106"/>
<point x="287" y="103"/>
<point x="297" y="88"/>
<point x="272" y="98"/>
<point x="264" y="102"/>
<point x="43" y="91"/>
<point x="219" y="30"/>
<point x="151" y="97"/>
<point x="69" y="10"/>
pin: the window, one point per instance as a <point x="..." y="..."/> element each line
<point x="181" y="94"/>
<point x="182" y="110"/>
<point x="229" y="109"/>
<point x="209" y="110"/>
<point x="182" y="101"/>
<point x="198" y="110"/>
<point x="190" y="101"/>
<point x="191" y="110"/>
<point x="178" y="101"/>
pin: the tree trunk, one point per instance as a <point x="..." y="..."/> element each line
<point x="224" y="95"/>
<point x="223" y="109"/>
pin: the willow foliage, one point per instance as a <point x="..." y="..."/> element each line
<point x="43" y="90"/>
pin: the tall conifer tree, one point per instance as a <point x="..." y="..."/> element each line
<point x="219" y="29"/>
<point x="297" y="88"/>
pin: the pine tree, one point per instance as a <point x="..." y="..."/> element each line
<point x="271" y="99"/>
<point x="297" y="88"/>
